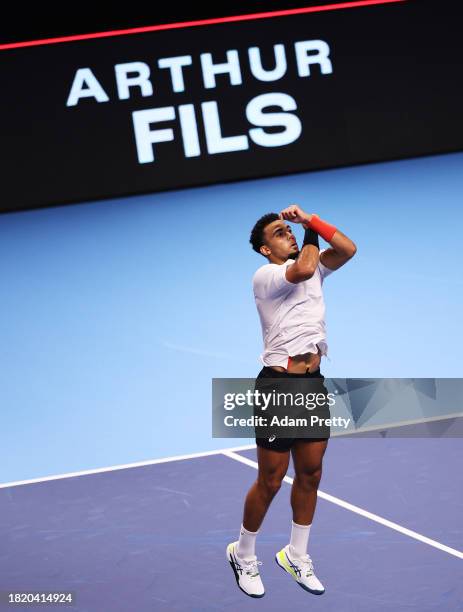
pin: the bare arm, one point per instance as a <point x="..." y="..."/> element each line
<point x="305" y="265"/>
<point x="342" y="249"/>
<point x="307" y="261"/>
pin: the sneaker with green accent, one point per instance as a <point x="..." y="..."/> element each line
<point x="301" y="569"/>
<point x="246" y="572"/>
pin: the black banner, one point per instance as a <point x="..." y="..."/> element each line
<point x="190" y="106"/>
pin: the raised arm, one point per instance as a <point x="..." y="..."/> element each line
<point x="342" y="248"/>
<point x="307" y="261"/>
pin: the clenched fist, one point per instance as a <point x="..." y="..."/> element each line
<point x="295" y="214"/>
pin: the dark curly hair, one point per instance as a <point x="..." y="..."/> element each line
<point x="257" y="233"/>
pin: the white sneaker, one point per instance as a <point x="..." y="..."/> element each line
<point x="301" y="569"/>
<point x="246" y="572"/>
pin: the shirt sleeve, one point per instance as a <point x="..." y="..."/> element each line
<point x="270" y="281"/>
<point x="324" y="271"/>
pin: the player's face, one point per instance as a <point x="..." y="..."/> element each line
<point x="281" y="241"/>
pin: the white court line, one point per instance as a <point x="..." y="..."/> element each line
<point x="229" y="452"/>
<point x="124" y="466"/>
<point x="360" y="511"/>
<point x="202" y="454"/>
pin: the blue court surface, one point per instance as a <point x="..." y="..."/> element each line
<point x="109" y="353"/>
<point x="387" y="533"/>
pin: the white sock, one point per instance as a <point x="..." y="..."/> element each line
<point x="299" y="538"/>
<point x="247" y="543"/>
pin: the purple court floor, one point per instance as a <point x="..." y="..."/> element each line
<point x="153" y="538"/>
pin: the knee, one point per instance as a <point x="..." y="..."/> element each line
<point x="271" y="484"/>
<point x="309" y="479"/>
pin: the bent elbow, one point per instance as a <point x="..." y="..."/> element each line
<point x="297" y="274"/>
<point x="307" y="272"/>
<point x="352" y="251"/>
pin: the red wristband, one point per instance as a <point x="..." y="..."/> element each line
<point x="324" y="229"/>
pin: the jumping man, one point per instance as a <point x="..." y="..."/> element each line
<point x="289" y="299"/>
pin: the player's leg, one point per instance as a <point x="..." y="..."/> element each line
<point x="307" y="459"/>
<point x="293" y="558"/>
<point x="241" y="554"/>
<point x="273" y="466"/>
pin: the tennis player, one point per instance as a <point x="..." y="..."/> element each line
<point x="289" y="299"/>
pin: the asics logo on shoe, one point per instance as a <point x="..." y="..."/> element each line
<point x="238" y="568"/>
<point x="294" y="567"/>
<point x="246" y="572"/>
<point x="301" y="569"/>
<point x="237" y="565"/>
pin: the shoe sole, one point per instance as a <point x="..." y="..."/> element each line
<point x="299" y="583"/>
<point x="237" y="578"/>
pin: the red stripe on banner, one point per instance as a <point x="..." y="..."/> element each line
<point x="201" y="22"/>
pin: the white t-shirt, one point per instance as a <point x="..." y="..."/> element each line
<point x="292" y="315"/>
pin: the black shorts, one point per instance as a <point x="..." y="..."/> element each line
<point x="285" y="444"/>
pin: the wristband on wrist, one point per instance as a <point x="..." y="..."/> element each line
<point x="324" y="229"/>
<point x="311" y="237"/>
